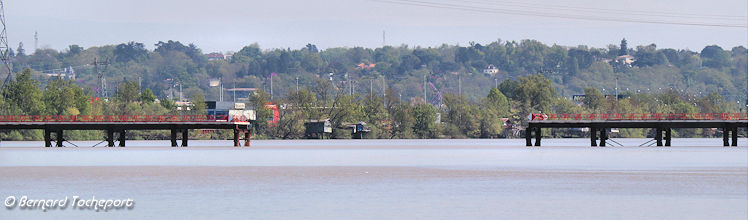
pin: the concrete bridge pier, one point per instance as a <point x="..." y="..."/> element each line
<point x="530" y="132"/>
<point x="668" y="137"/>
<point x="734" y="134"/>
<point x="110" y="138"/>
<point x="59" y="138"/>
<point x="593" y="137"/>
<point x="121" y="139"/>
<point x="236" y="137"/>
<point x="725" y="136"/>
<point x="173" y="138"/>
<point x="604" y="136"/>
<point x="659" y="137"/>
<point x="239" y="130"/>
<point x="247" y="136"/>
<point x="47" y="138"/>
<point x="184" y="138"/>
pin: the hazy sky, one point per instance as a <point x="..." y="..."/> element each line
<point x="228" y="25"/>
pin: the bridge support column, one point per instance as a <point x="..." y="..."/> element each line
<point x="528" y="136"/>
<point x="604" y="136"/>
<point x="593" y="137"/>
<point x="110" y="138"/>
<point x="47" y="138"/>
<point x="59" y="138"/>
<point x="538" y="136"/>
<point x="668" y="137"/>
<point x="734" y="136"/>
<point x="247" y="138"/>
<point x="236" y="137"/>
<point x="173" y="138"/>
<point x="184" y="138"/>
<point x="659" y="137"/>
<point x="725" y="136"/>
<point x="122" y="138"/>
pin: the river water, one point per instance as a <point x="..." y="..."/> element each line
<point x="384" y="179"/>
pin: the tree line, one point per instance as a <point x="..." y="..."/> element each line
<point x="446" y="68"/>
<point x="461" y="101"/>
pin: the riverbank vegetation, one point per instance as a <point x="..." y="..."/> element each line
<point x="448" y="91"/>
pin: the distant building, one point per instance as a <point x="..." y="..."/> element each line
<point x="364" y="66"/>
<point x="318" y="129"/>
<point x="183" y="106"/>
<point x="625" y="59"/>
<point x="491" y="70"/>
<point x="215" y="56"/>
<point x="358" y="130"/>
<point x="229" y="111"/>
<point x="241" y="94"/>
<point x="63" y="73"/>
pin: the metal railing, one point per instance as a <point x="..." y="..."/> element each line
<point x="120" y="118"/>
<point x="641" y="116"/>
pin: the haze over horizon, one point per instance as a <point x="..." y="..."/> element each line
<point x="228" y="25"/>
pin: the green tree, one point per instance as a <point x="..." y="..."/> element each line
<point x="715" y="57"/>
<point x="147" y="96"/>
<point x="198" y="103"/>
<point x="498" y="101"/>
<point x="23" y="95"/>
<point x="623" y="47"/>
<point x="425" y="116"/>
<point x="128" y="91"/>
<point x="594" y="99"/>
<point x="258" y="100"/>
<point x="535" y="93"/>
<point x="64" y="97"/>
<point x="490" y="125"/>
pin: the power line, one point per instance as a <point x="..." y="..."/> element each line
<point x="550" y="15"/>
<point x="604" y="10"/>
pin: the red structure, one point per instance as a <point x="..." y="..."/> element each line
<point x="276" y="116"/>
<point x="118" y="118"/>
<point x="641" y="116"/>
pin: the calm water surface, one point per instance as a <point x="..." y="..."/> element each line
<point x="385" y="179"/>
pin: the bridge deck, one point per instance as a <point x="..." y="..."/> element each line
<point x="661" y="123"/>
<point x="637" y="123"/>
<point x="121" y="123"/>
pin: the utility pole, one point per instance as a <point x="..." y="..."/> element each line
<point x="102" y="79"/>
<point x="181" y="98"/>
<point x="383" y="38"/>
<point x="271" y="87"/>
<point x="221" y="90"/>
<point x="370" y="88"/>
<point x="36" y="41"/>
<point x="460" y="86"/>
<point x="297" y="85"/>
<point x="616" y="93"/>
<point x="425" y="88"/>
<point x="4" y="49"/>
<point x="384" y="96"/>
<point x="495" y="82"/>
